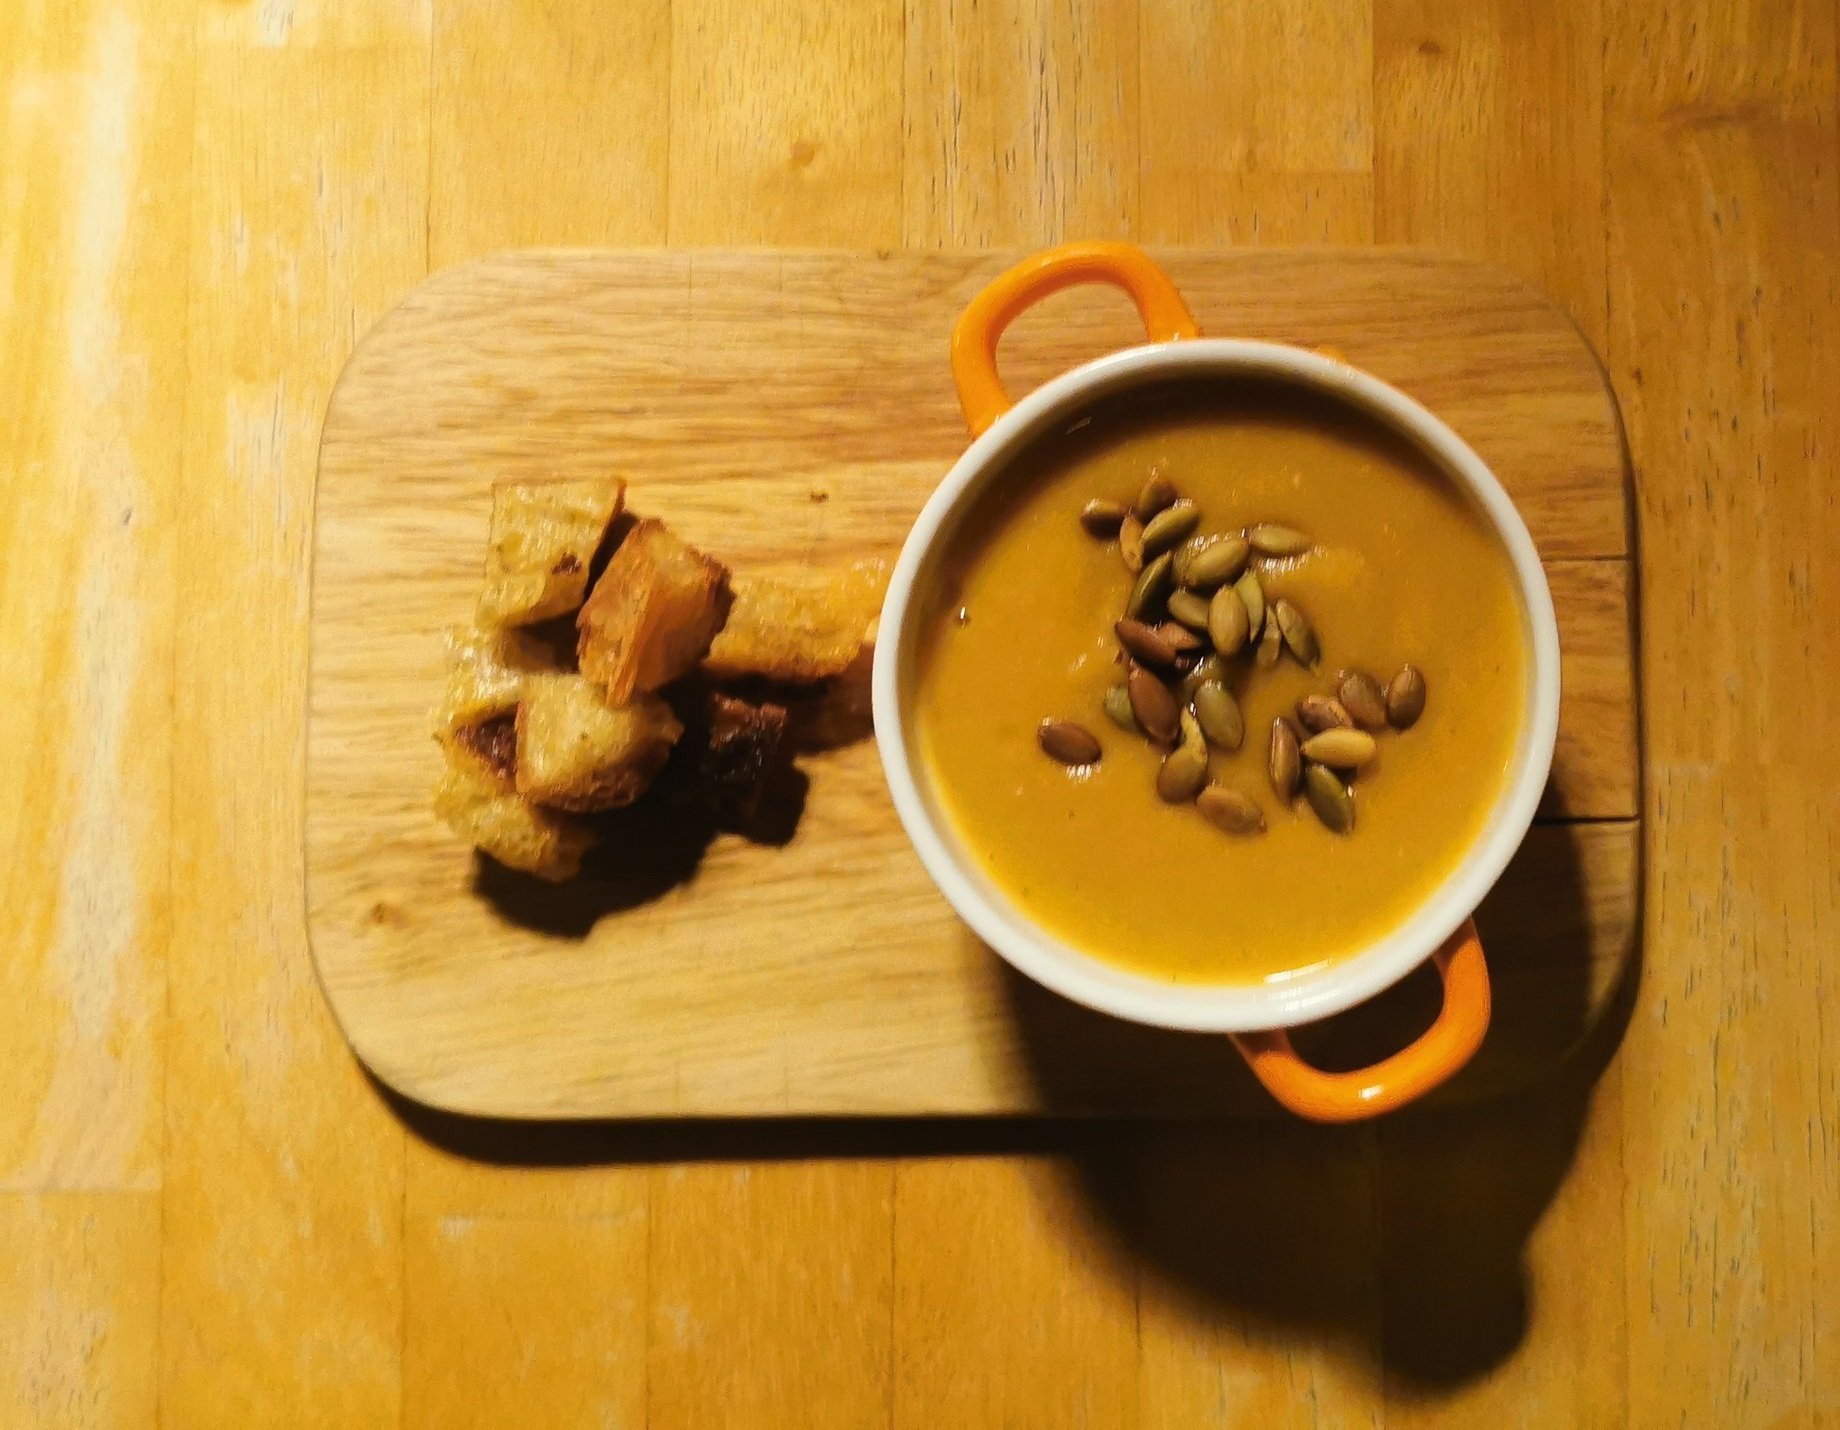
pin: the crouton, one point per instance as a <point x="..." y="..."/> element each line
<point x="729" y="753"/>
<point x="509" y="827"/>
<point x="486" y="671"/>
<point x="543" y="538"/>
<point x="574" y="751"/>
<point x="799" y="629"/>
<point x="652" y="614"/>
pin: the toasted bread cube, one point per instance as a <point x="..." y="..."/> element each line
<point x="730" y="752"/>
<point x="509" y="827"/>
<point x="486" y="672"/>
<point x="576" y="752"/>
<point x="652" y="614"/>
<point x="795" y="629"/>
<point x="543" y="537"/>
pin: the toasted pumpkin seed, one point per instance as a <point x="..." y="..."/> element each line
<point x="1209" y="667"/>
<point x="1211" y="561"/>
<point x="1270" y="539"/>
<point x="1252" y="596"/>
<point x="1299" y="635"/>
<point x="1343" y="748"/>
<point x="1131" y="543"/>
<point x="1332" y="800"/>
<point x="1102" y="518"/>
<point x="1068" y="742"/>
<point x="1363" y="699"/>
<point x="1118" y="706"/>
<point x="1405" y="698"/>
<point x="1152" y="588"/>
<point x="1322" y="712"/>
<point x="1269" y="644"/>
<point x="1169" y="527"/>
<point x="1184" y="769"/>
<point x="1145" y="643"/>
<point x="1230" y="811"/>
<point x="1227" y="621"/>
<point x="1155" y="494"/>
<point x="1179" y="638"/>
<point x="1188" y="608"/>
<point x="1158" y="714"/>
<point x="1283" y="763"/>
<point x="1219" y="716"/>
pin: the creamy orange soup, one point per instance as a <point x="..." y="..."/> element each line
<point x="1018" y="628"/>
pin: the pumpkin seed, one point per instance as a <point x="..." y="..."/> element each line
<point x="1118" y="706"/>
<point x="1268" y="644"/>
<point x="1152" y="588"/>
<point x="1158" y="714"/>
<point x="1227" y="621"/>
<point x="1131" y="543"/>
<point x="1155" y="494"/>
<point x="1322" y="712"/>
<point x="1188" y="608"/>
<point x="1145" y="643"/>
<point x="1252" y="596"/>
<point x="1179" y="638"/>
<point x="1332" y="800"/>
<point x="1405" y="698"/>
<point x="1344" y="748"/>
<point x="1185" y="768"/>
<point x="1230" y="811"/>
<point x="1218" y="714"/>
<point x="1210" y="561"/>
<point x="1363" y="699"/>
<point x="1283" y="763"/>
<point x="1169" y="527"/>
<point x="1067" y="742"/>
<point x="1209" y="667"/>
<point x="1299" y="635"/>
<point x="1270" y="539"/>
<point x="1102" y="518"/>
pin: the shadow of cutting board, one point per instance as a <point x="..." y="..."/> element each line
<point x="790" y="409"/>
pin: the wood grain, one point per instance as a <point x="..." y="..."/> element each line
<point x="420" y="966"/>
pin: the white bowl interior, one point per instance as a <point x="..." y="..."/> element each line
<point x="1285" y="999"/>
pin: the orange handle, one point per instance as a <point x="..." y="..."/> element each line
<point x="980" y="326"/>
<point x="1446" y="1046"/>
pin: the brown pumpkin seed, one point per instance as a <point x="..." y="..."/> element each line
<point x="1211" y="561"/>
<point x="1102" y="518"/>
<point x="1283" y="763"/>
<point x="1299" y="635"/>
<point x="1218" y="714"/>
<point x="1405" y="698"/>
<point x="1332" y="800"/>
<point x="1184" y="769"/>
<point x="1269" y="644"/>
<point x="1158" y="714"/>
<point x="1118" y="707"/>
<point x="1131" y="543"/>
<point x="1317" y="713"/>
<point x="1209" y="667"/>
<point x="1179" y="638"/>
<point x="1230" y="811"/>
<point x="1067" y="742"/>
<point x="1151" y="589"/>
<point x="1227" y="621"/>
<point x="1252" y="597"/>
<point x="1145" y="643"/>
<point x="1188" y="608"/>
<point x="1170" y="527"/>
<point x="1363" y="699"/>
<point x="1344" y="748"/>
<point x="1156" y="493"/>
<point x="1270" y="539"/>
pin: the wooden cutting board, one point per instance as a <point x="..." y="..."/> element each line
<point x="785" y="410"/>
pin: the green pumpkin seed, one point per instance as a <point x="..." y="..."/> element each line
<point x="1269" y="644"/>
<point x="1299" y="635"/>
<point x="1405" y="698"/>
<point x="1227" y="621"/>
<point x="1153" y="586"/>
<point x="1131" y="543"/>
<point x="1284" y="763"/>
<point x="1155" y="494"/>
<point x="1068" y="743"/>
<point x="1145" y="643"/>
<point x="1270" y="539"/>
<point x="1317" y="713"/>
<point x="1118" y="706"/>
<point x="1252" y="596"/>
<point x="1210" y="561"/>
<point x="1169" y="527"/>
<point x="1343" y="748"/>
<point x="1209" y="667"/>
<point x="1158" y="714"/>
<point x="1103" y="518"/>
<point x="1230" y="811"/>
<point x="1363" y="699"/>
<point x="1185" y="769"/>
<point x="1332" y="800"/>
<point x="1188" y="608"/>
<point x="1217" y="712"/>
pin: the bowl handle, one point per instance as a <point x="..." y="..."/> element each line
<point x="980" y="326"/>
<point x="1445" y="1047"/>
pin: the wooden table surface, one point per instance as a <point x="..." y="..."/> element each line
<point x="208" y="1216"/>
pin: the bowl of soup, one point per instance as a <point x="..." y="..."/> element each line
<point x="1216" y="685"/>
